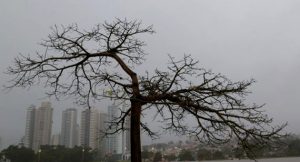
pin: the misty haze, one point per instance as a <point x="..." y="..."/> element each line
<point x="214" y="80"/>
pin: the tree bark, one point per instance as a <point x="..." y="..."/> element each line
<point x="135" y="133"/>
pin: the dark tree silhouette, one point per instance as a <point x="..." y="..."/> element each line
<point x="185" y="155"/>
<point x="17" y="154"/>
<point x="100" y="63"/>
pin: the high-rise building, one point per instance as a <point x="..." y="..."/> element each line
<point x="42" y="125"/>
<point x="69" y="128"/>
<point x="29" y="128"/>
<point x="118" y="143"/>
<point x="112" y="140"/>
<point x="103" y="145"/>
<point x="89" y="131"/>
<point x="126" y="146"/>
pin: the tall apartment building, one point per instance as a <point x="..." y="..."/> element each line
<point x="42" y="125"/>
<point x="69" y="128"/>
<point x="126" y="146"/>
<point x="103" y="145"/>
<point x="112" y="140"/>
<point x="89" y="132"/>
<point x="93" y="125"/>
<point x="29" y="128"/>
<point x="118" y="143"/>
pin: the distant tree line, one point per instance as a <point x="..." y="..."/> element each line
<point x="290" y="146"/>
<point x="17" y="154"/>
<point x="48" y="154"/>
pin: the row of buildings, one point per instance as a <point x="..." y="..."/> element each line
<point x="90" y="133"/>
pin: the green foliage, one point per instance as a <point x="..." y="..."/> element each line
<point x="218" y="155"/>
<point x="170" y="157"/>
<point x="18" y="154"/>
<point x="147" y="155"/>
<point x="49" y="154"/>
<point x="62" y="154"/>
<point x="238" y="153"/>
<point x="203" y="154"/>
<point x="157" y="157"/>
<point x="294" y="147"/>
<point x="185" y="155"/>
<point x="112" y="158"/>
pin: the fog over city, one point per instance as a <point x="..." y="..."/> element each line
<point x="247" y="39"/>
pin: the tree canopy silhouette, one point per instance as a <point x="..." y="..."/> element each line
<point x="100" y="63"/>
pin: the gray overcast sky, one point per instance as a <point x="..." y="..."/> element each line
<point x="246" y="39"/>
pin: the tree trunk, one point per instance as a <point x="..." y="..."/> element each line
<point x="135" y="133"/>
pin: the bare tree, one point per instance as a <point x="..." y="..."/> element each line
<point x="99" y="63"/>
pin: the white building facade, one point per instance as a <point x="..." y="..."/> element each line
<point x="42" y="125"/>
<point x="89" y="132"/>
<point x="69" y="128"/>
<point x="118" y="143"/>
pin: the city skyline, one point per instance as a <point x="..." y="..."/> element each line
<point x="38" y="129"/>
<point x="91" y="133"/>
